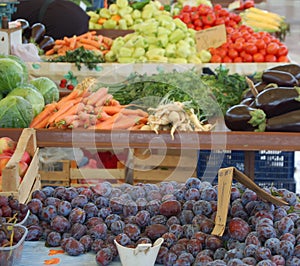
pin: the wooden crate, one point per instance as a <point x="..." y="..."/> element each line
<point x="11" y="184"/>
<point x="153" y="166"/>
<point x="55" y="174"/>
<point x="89" y="176"/>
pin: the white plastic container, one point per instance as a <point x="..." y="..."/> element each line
<point x="143" y="254"/>
<point x="10" y="256"/>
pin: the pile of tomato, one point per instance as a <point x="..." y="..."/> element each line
<point x="245" y="45"/>
<point x="203" y="16"/>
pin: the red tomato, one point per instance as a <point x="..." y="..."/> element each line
<point x="209" y="19"/>
<point x="248" y="4"/>
<point x="197" y="28"/>
<point x="258" y="57"/>
<point x="222" y="52"/>
<point x="218" y="7"/>
<point x="235" y="35"/>
<point x="194" y="8"/>
<point x="190" y="26"/>
<point x="263" y="52"/>
<point x="203" y="10"/>
<point x="187" y="8"/>
<point x="198" y="23"/>
<point x="272" y="48"/>
<point x="247" y="58"/>
<point x="250" y="48"/>
<point x="223" y="13"/>
<point x="227" y="59"/>
<point x="219" y="21"/>
<point x="241" y="40"/>
<point x="216" y="59"/>
<point x="260" y="44"/>
<point x="232" y="53"/>
<point x="266" y="39"/>
<point x="231" y="23"/>
<point x="238" y="60"/>
<point x="194" y="16"/>
<point x="229" y="30"/>
<point x="270" y="58"/>
<point x="282" y="51"/>
<point x="238" y="46"/>
<point x="283" y="58"/>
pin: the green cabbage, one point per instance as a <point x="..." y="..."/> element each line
<point x="20" y="61"/>
<point x="15" y="112"/>
<point x="11" y="75"/>
<point x="47" y="88"/>
<point x="31" y="95"/>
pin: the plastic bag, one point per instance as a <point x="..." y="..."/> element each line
<point x="28" y="52"/>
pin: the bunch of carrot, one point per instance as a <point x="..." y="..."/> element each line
<point x="89" y="41"/>
<point x="85" y="108"/>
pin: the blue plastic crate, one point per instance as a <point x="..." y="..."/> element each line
<point x="270" y="166"/>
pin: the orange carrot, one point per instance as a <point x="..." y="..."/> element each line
<point x="52" y="261"/>
<point x="107" y="124"/>
<point x="60" y="111"/>
<point x="42" y="116"/>
<point x="101" y="115"/>
<point x="55" y="251"/>
<point x="107" y="41"/>
<point x="73" y="95"/>
<point x="125" y="121"/>
<point x="138" y="112"/>
<point x="91" y="42"/>
<point x="136" y="127"/>
<point x="75" y="109"/>
<point x="113" y="102"/>
<point x="111" y="110"/>
<point x="73" y="43"/>
<point x="50" y="52"/>
<point x="97" y="96"/>
<point x="87" y="46"/>
<point x="61" y="103"/>
<point x="68" y="119"/>
<point x="104" y="101"/>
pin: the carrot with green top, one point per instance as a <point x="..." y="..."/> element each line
<point x="49" y="109"/>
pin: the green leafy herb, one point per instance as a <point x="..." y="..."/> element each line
<point x="80" y="56"/>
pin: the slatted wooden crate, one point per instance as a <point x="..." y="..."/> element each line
<point x="90" y="176"/>
<point x="153" y="166"/>
<point x="11" y="184"/>
<point x="55" y="174"/>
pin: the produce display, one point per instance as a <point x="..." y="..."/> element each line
<point x="91" y="107"/>
<point x="273" y="104"/>
<point x="90" y="41"/>
<point x="89" y="219"/>
<point x="7" y="149"/>
<point x="21" y="99"/>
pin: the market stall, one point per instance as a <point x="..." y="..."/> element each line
<point x="167" y="164"/>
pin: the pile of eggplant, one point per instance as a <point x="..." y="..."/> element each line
<point x="36" y="34"/>
<point x="272" y="104"/>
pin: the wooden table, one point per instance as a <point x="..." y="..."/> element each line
<point x="249" y="142"/>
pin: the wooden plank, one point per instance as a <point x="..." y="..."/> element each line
<point x="108" y="174"/>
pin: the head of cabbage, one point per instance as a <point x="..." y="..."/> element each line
<point x="47" y="88"/>
<point x="32" y="95"/>
<point x="11" y="75"/>
<point x="15" y="112"/>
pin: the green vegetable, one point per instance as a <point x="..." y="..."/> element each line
<point x="208" y="95"/>
<point x="140" y="5"/>
<point x="20" y="61"/>
<point x="15" y="112"/>
<point x="47" y="88"/>
<point x="11" y="75"/>
<point x="80" y="56"/>
<point x="31" y="95"/>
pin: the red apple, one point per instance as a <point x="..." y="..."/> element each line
<point x="7" y="145"/>
<point x="3" y="163"/>
<point x="26" y="158"/>
<point x="22" y="168"/>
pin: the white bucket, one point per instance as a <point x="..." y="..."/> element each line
<point x="143" y="254"/>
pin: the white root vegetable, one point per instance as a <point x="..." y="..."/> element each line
<point x="175" y="116"/>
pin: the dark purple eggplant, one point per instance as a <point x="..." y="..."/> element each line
<point x="287" y="122"/>
<point x="38" y="31"/>
<point x="282" y="79"/>
<point x="242" y="117"/>
<point x="247" y="101"/>
<point x="291" y="68"/>
<point x="277" y="101"/>
<point x="46" y="43"/>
